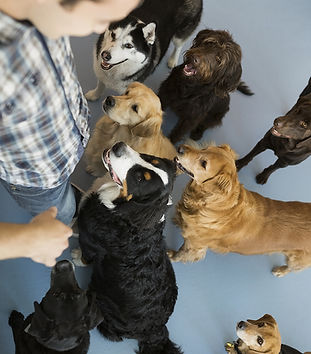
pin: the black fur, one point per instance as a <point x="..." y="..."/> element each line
<point x="61" y="322"/>
<point x="132" y="275"/>
<point x="200" y="101"/>
<point x="292" y="150"/>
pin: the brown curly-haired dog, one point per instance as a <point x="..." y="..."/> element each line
<point x="198" y="90"/>
<point x="216" y="212"/>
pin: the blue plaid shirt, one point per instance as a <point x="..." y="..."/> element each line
<point x="43" y="113"/>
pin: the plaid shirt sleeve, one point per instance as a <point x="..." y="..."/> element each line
<point x="43" y="113"/>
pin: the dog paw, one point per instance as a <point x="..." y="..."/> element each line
<point x="280" y="271"/>
<point x="92" y="95"/>
<point x="171" y="254"/>
<point x="172" y="62"/>
<point x="76" y="255"/>
<point x="261" y="178"/>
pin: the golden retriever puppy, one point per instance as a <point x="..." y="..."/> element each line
<point x="216" y="212"/>
<point x="259" y="336"/>
<point x="134" y="118"/>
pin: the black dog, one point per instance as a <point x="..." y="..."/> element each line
<point x="289" y="138"/>
<point x="121" y="229"/>
<point x="198" y="90"/>
<point x="61" y="322"/>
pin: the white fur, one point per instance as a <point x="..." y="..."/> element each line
<point x="124" y="163"/>
<point x="107" y="193"/>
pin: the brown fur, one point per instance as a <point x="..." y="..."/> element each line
<point x="141" y="130"/>
<point x="216" y="212"/>
<point x="264" y="328"/>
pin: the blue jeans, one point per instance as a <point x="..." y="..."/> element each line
<point x="36" y="200"/>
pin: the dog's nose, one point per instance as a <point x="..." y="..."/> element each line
<point x="106" y="55"/>
<point x="278" y="123"/>
<point x="62" y="266"/>
<point x="119" y="148"/>
<point x="181" y="150"/>
<point x="109" y="102"/>
<point x="241" y="325"/>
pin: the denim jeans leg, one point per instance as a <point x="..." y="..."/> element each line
<point x="35" y="200"/>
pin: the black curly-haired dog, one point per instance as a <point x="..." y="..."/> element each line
<point x="198" y="90"/>
<point x="120" y="232"/>
<point x="289" y="138"/>
<point x="61" y="322"/>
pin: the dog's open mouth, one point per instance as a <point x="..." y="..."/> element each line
<point x="106" y="66"/>
<point x="189" y="70"/>
<point x="182" y="168"/>
<point x="107" y="163"/>
<point x="276" y="133"/>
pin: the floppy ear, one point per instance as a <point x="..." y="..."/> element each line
<point x="94" y="316"/>
<point x="149" y="32"/>
<point x="41" y="326"/>
<point x="224" y="181"/>
<point x="148" y="127"/>
<point x="228" y="149"/>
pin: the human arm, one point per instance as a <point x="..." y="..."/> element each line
<point x="42" y="240"/>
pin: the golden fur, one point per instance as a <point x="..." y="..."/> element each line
<point x="140" y="128"/>
<point x="257" y="336"/>
<point x="216" y="212"/>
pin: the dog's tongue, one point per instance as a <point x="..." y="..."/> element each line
<point x="189" y="70"/>
<point x="105" y="65"/>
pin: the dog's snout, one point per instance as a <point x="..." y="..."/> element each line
<point x="241" y="325"/>
<point x="278" y="123"/>
<point x="181" y="150"/>
<point x="109" y="102"/>
<point x="119" y="148"/>
<point x="106" y="55"/>
<point x="63" y="266"/>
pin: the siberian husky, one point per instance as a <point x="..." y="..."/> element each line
<point x="130" y="49"/>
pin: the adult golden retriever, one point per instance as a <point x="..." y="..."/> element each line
<point x="216" y="212"/>
<point x="134" y="118"/>
<point x="259" y="336"/>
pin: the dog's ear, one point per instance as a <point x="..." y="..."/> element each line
<point x="229" y="72"/>
<point x="41" y="326"/>
<point x="148" y="127"/>
<point x="227" y="148"/>
<point x="224" y="181"/>
<point x="149" y="32"/>
<point x="94" y="315"/>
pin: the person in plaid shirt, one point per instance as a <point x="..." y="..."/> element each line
<point x="43" y="113"/>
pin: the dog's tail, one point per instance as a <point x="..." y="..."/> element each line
<point x="244" y="89"/>
<point x="158" y="345"/>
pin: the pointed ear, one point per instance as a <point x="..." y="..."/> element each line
<point x="149" y="32"/>
<point x="94" y="316"/>
<point x="227" y="148"/>
<point x="41" y="326"/>
<point x="148" y="127"/>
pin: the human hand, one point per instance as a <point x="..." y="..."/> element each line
<point x="47" y="237"/>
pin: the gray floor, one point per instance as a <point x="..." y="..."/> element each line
<point x="215" y="293"/>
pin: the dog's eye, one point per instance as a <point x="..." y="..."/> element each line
<point x="128" y="45"/>
<point x="261" y="324"/>
<point x="126" y="93"/>
<point x="135" y="108"/>
<point x="259" y="340"/>
<point x="113" y="36"/>
<point x="203" y="163"/>
<point x="303" y="124"/>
